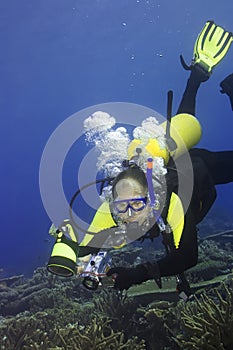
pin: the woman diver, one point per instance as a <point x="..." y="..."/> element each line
<point x="133" y="201"/>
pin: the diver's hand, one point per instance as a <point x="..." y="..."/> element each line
<point x="126" y="277"/>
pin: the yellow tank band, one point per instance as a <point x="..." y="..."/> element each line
<point x="62" y="266"/>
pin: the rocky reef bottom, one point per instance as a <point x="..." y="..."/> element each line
<point x="46" y="312"/>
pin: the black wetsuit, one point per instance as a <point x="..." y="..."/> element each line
<point x="209" y="169"/>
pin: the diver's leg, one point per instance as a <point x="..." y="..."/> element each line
<point x="227" y="88"/>
<point x="188" y="101"/>
<point x="211" y="46"/>
<point x="220" y="164"/>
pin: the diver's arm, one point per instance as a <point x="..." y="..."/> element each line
<point x="100" y="240"/>
<point x="174" y="263"/>
<point x="84" y="251"/>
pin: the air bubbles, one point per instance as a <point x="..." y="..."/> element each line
<point x="110" y="144"/>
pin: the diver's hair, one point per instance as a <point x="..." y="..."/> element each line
<point x="135" y="173"/>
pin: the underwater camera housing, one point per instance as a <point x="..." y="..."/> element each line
<point x="97" y="267"/>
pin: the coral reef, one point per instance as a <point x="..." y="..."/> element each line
<point x="117" y="306"/>
<point x="42" y="291"/>
<point x="207" y="322"/>
<point x="58" y="317"/>
<point x="152" y="325"/>
<point x="48" y="312"/>
<point x="57" y="313"/>
<point x="212" y="261"/>
<point x="43" y="332"/>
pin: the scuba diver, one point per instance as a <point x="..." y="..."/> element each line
<point x="135" y="204"/>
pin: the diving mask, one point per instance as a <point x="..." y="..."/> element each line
<point x="136" y="204"/>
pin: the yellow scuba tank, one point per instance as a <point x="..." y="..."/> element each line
<point x="185" y="130"/>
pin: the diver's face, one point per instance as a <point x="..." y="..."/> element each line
<point x="130" y="203"/>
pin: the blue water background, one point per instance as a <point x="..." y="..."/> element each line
<point x="60" y="56"/>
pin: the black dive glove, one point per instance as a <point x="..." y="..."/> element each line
<point x="126" y="276"/>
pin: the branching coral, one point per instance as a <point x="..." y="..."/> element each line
<point x="212" y="261"/>
<point x="156" y="316"/>
<point x="111" y="320"/>
<point x="99" y="336"/>
<point x="117" y="306"/>
<point x="208" y="322"/>
<point x="39" y="293"/>
<point x="40" y="332"/>
<point x="205" y="323"/>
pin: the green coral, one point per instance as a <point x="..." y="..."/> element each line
<point x="204" y="323"/>
<point x="204" y="271"/>
<point x="212" y="261"/>
<point x="56" y="317"/>
<point x="208" y="322"/>
<point x="156" y="316"/>
<point x="40" y="332"/>
<point x="117" y="306"/>
<point x="42" y="291"/>
<point x="98" y="335"/>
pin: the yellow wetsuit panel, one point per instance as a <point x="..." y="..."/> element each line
<point x="175" y="218"/>
<point x="102" y="220"/>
